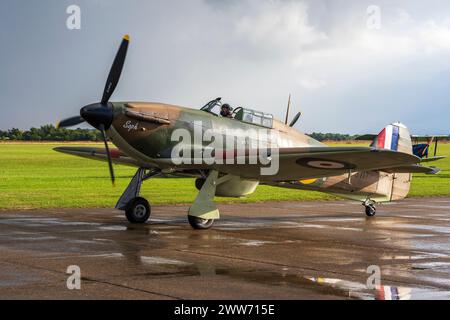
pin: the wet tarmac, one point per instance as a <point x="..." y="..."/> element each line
<point x="286" y="250"/>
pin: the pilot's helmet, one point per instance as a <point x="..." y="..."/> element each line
<point x="227" y="106"/>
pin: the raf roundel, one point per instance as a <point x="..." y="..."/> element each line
<point x="324" y="164"/>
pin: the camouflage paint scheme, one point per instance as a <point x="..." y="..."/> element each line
<point x="231" y="155"/>
<point x="142" y="132"/>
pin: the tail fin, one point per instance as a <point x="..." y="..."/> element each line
<point x="394" y="137"/>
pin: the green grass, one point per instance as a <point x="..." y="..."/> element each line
<point x="34" y="176"/>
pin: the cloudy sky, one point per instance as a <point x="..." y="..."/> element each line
<point x="351" y="66"/>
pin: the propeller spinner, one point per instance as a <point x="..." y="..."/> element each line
<point x="100" y="115"/>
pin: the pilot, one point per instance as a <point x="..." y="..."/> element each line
<point x="226" y="110"/>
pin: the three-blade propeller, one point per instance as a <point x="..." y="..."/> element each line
<point x="99" y="115"/>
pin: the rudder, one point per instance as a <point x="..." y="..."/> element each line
<point x="394" y="137"/>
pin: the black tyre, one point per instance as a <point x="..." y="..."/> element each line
<point x="138" y="210"/>
<point x="199" y="182"/>
<point x="370" y="210"/>
<point x="199" y="223"/>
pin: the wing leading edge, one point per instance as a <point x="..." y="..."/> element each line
<point x="117" y="156"/>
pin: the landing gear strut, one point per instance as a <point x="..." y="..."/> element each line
<point x="137" y="209"/>
<point x="371" y="210"/>
<point x="203" y="211"/>
<point x="201" y="214"/>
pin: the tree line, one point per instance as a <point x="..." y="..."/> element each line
<point x="332" y="136"/>
<point x="50" y="133"/>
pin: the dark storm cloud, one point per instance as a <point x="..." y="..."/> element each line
<point x="343" y="76"/>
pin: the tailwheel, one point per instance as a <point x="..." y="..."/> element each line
<point x="199" y="223"/>
<point x="138" y="210"/>
<point x="370" y="210"/>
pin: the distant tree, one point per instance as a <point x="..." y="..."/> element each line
<point x="50" y="133"/>
<point x="331" y="136"/>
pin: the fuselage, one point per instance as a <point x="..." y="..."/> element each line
<point x="144" y="131"/>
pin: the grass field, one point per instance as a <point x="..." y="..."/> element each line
<point x="32" y="175"/>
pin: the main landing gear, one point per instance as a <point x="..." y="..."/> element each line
<point x="371" y="210"/>
<point x="137" y="209"/>
<point x="203" y="211"/>
<point x="201" y="214"/>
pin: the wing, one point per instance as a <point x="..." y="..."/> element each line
<point x="293" y="163"/>
<point x="303" y="163"/>
<point x="117" y="156"/>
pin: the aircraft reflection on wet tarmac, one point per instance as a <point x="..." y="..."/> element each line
<point x="258" y="251"/>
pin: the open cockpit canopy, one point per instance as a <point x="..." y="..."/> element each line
<point x="241" y="114"/>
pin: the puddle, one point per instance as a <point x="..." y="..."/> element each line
<point x="413" y="257"/>
<point x="104" y="255"/>
<point x="430" y="265"/>
<point x="321" y="285"/>
<point x="317" y="226"/>
<point x="428" y="206"/>
<point x="39" y="222"/>
<point x="114" y="228"/>
<point x="31" y="238"/>
<point x="438" y="229"/>
<point x="382" y="292"/>
<point x="338" y="219"/>
<point x="162" y="261"/>
<point x="256" y="243"/>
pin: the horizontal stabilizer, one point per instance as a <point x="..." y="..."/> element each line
<point x="432" y="159"/>
<point x="429" y="137"/>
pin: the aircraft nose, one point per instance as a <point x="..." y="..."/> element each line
<point x="97" y="114"/>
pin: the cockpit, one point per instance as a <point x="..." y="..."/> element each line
<point x="240" y="114"/>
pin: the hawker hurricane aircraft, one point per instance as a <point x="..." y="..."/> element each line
<point x="278" y="155"/>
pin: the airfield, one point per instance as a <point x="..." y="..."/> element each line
<point x="275" y="250"/>
<point x="55" y="211"/>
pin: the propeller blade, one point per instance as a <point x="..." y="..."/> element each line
<point x="111" y="169"/>
<point x="294" y="121"/>
<point x="288" y="109"/>
<point x="69" y="122"/>
<point x="116" y="70"/>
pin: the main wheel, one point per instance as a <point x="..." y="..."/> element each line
<point x="199" y="223"/>
<point x="199" y="182"/>
<point x="138" y="210"/>
<point x="370" y="210"/>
